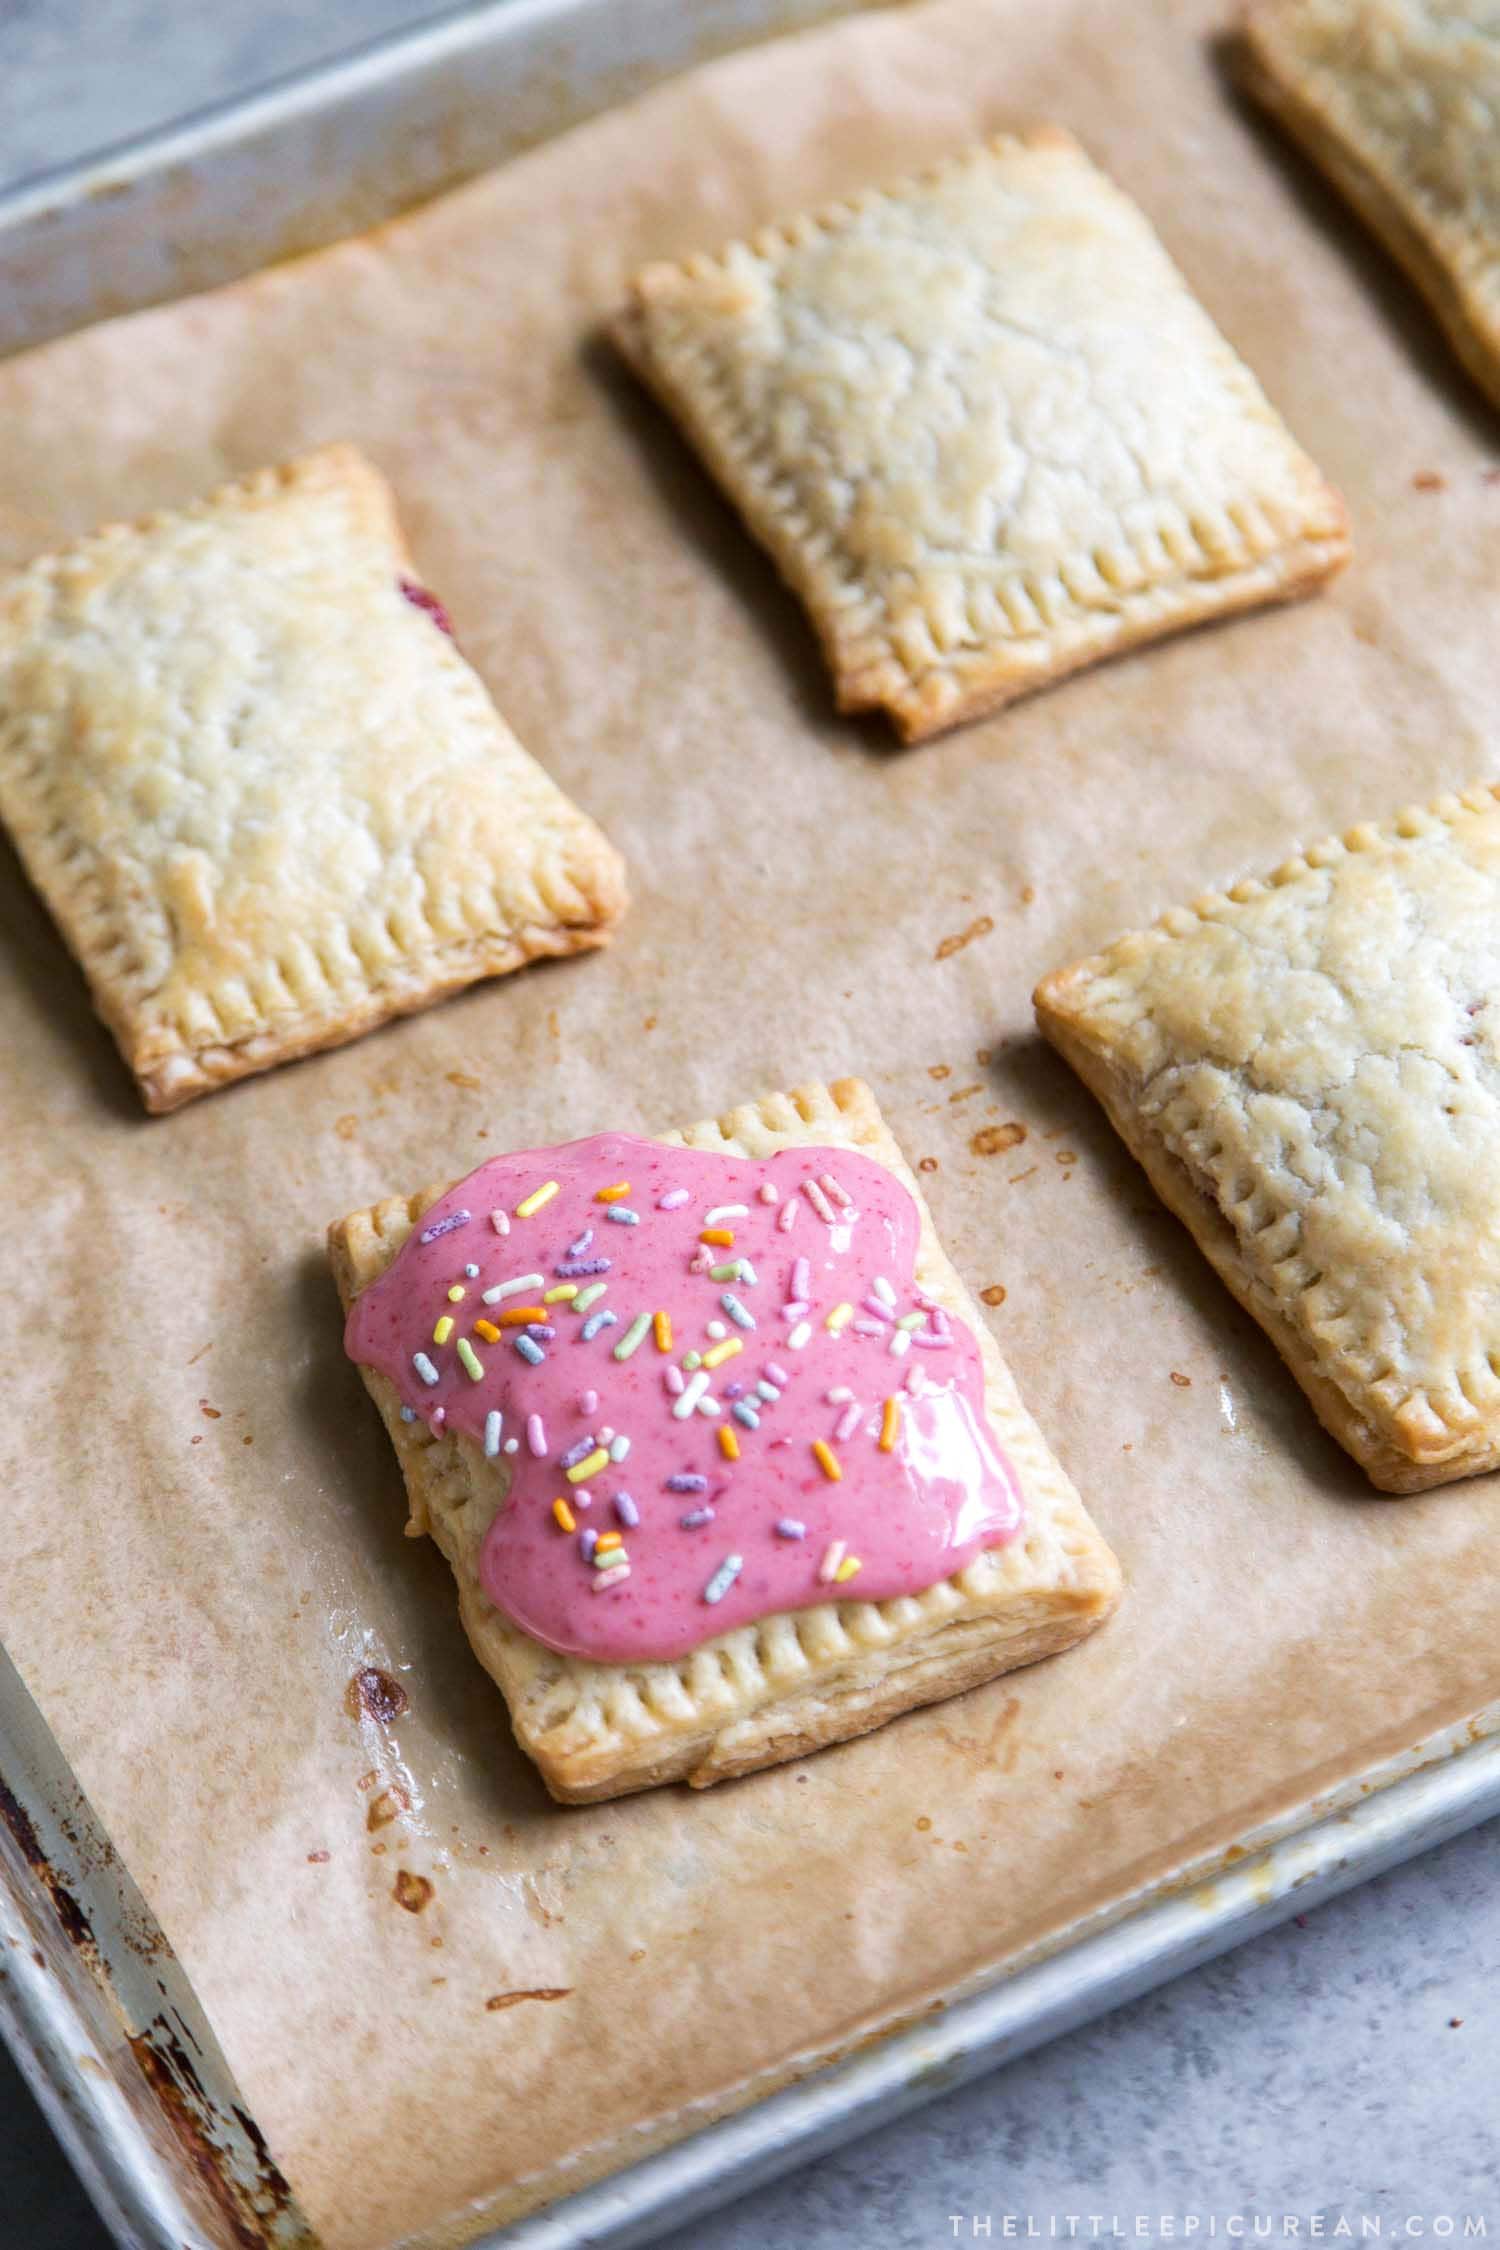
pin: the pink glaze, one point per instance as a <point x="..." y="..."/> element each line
<point x="912" y="1515"/>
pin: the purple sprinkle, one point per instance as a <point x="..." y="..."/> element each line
<point x="881" y="1312"/>
<point x="445" y="1226"/>
<point x="588" y="1540"/>
<point x="868" y="1328"/>
<point x="569" y="1268"/>
<point x="594" y="1323"/>
<point x="626" y="1509"/>
<point x="800" y="1285"/>
<point x="733" y="1390"/>
<point x="529" y="1350"/>
<point x="789" y="1528"/>
<point x="536" y="1436"/>
<point x="795" y="1307"/>
<point x="848" y="1422"/>
<point x="696" y="1517"/>
<point x="932" y="1343"/>
<point x="540" y="1330"/>
<point x="684" y="1482"/>
<point x="578" y="1452"/>
<point x="672" y="1377"/>
<point x="673" y="1200"/>
<point x="576" y="1249"/>
<point x="775" y="1374"/>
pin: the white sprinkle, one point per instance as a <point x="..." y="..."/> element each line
<point x="493" y="1424"/>
<point x="768" y="1191"/>
<point x="800" y="1333"/>
<point x="788" y="1217"/>
<point x="509" y="1288"/>
<point x="723" y="1578"/>
<point x="723" y="1211"/>
<point x="740" y="1314"/>
<point x="614" y="1576"/>
<point x="619" y="1447"/>
<point x="500" y="1221"/>
<point x="840" y="1395"/>
<point x="746" y="1272"/>
<point x="424" y="1367"/>
<point x="623" y="1216"/>
<point x="847" y="1423"/>
<point x="512" y="1445"/>
<point x="708" y="1404"/>
<point x="408" y="1414"/>
<point x="692" y="1392"/>
<point x="717" y="1330"/>
<point x="673" y="1200"/>
<point x="900" y="1343"/>
<point x="471" y="1273"/>
<point x="794" y="1308"/>
<point x="883" y="1290"/>
<point x="768" y="1392"/>
<point x="833" y="1555"/>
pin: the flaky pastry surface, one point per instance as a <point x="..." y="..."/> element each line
<point x="267" y="801"/>
<point x="985" y="429"/>
<point x="804" y="1678"/>
<point x="1309" y="1070"/>
<point x="1396" y="100"/>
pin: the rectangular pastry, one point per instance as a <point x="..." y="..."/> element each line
<point x="267" y="801"/>
<point x="1396" y="100"/>
<point x="1306" y="1067"/>
<point x="984" y="428"/>
<point x="724" y="1459"/>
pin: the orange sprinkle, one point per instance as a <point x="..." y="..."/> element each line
<point x="606" y="1540"/>
<point x="729" y="1444"/>
<point x="721" y="1235"/>
<point x="663" y="1326"/>
<point x="846" y="1569"/>
<point x="828" y="1461"/>
<point x="518" y="1316"/>
<point x="890" y="1423"/>
<point x="564" y="1516"/>
<point x="488" y="1330"/>
<point x="612" y="1195"/>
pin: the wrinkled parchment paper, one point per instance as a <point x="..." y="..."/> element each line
<point x="204" y="1520"/>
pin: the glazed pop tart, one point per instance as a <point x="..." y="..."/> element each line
<point x="724" y="1459"/>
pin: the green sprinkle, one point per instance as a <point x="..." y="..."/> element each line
<point x="634" y="1336"/>
<point x="911" y="1320"/>
<point x="731" y="1272"/>
<point x="690" y="1360"/>
<point x="589" y="1296"/>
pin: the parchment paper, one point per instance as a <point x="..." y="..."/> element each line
<point x="203" y="1535"/>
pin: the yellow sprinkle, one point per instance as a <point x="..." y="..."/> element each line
<point x="611" y="1195"/>
<point x="521" y="1316"/>
<point x="722" y="1235"/>
<point x="840" y="1317"/>
<point x="589" y="1466"/>
<point x="721" y="1352"/>
<point x="560" y="1295"/>
<point x="663" y="1326"/>
<point x="473" y="1366"/>
<point x="538" y="1196"/>
<point x="606" y="1540"/>
<point x="828" y="1461"/>
<point x="846" y="1569"/>
<point x="566" y="1520"/>
<point x="443" y="1330"/>
<point x="488" y="1330"/>
<point x="890" y="1423"/>
<point x="457" y="1293"/>
<point x="729" y="1444"/>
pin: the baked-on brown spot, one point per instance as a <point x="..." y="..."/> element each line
<point x="373" y="1694"/>
<point x="317" y="1859"/>
<point x="346" y="1126"/>
<point x="388" y="1806"/>
<point x="538" y="1992"/>
<point x="1429" y="480"/>
<point x="980" y="927"/>
<point x="465" y="1079"/>
<point x="1183" y="1382"/>
<point x="938" y="1070"/>
<point x="994" y="1140"/>
<point x="923" y="1822"/>
<point x="209" y="1413"/>
<point x="411" y="1891"/>
<point x="995" y="1294"/>
<point x="927" y="1163"/>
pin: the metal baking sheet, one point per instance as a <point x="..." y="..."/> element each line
<point x="92" y="2002"/>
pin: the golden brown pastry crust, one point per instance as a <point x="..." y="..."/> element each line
<point x="1395" y="100"/>
<point x="266" y="800"/>
<point x="1306" y="1069"/>
<point x="797" y="1681"/>
<point x="984" y="428"/>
